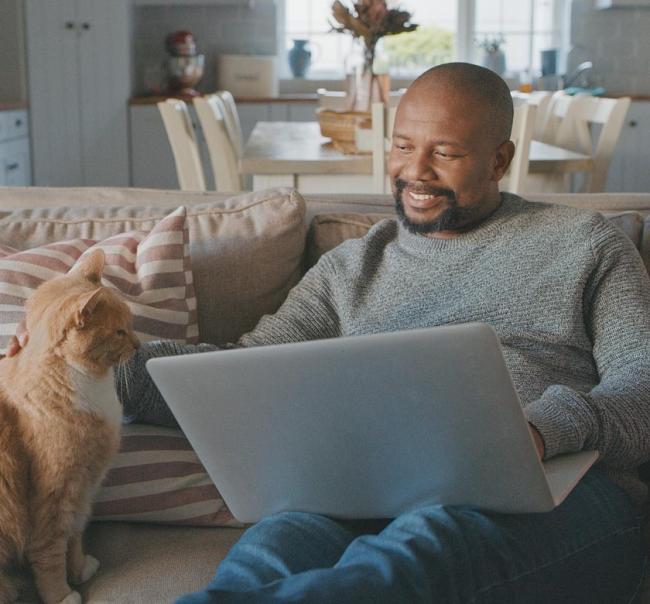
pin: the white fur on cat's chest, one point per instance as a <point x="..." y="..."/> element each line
<point x="96" y="395"/>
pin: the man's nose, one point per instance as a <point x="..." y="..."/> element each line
<point x="418" y="166"/>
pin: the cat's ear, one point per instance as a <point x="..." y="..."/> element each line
<point x="85" y="306"/>
<point x="91" y="266"/>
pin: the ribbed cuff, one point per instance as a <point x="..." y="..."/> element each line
<point x="563" y="419"/>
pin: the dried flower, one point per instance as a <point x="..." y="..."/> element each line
<point x="371" y="21"/>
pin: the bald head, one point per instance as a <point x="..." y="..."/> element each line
<point x="475" y="88"/>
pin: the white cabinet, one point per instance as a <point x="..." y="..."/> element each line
<point x="79" y="81"/>
<point x="152" y="162"/>
<point x="630" y="167"/>
<point x="15" y="170"/>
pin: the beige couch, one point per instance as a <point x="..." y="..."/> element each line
<point x="247" y="252"/>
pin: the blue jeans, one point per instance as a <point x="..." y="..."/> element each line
<point x="589" y="550"/>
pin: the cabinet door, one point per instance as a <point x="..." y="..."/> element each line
<point x="250" y="114"/>
<point x="628" y="171"/>
<point x="53" y="91"/>
<point x="14" y="163"/>
<point x="302" y="112"/>
<point x="104" y="88"/>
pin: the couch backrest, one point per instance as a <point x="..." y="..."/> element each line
<point x="247" y="250"/>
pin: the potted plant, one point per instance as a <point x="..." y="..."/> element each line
<point x="493" y="57"/>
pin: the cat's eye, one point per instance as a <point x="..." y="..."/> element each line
<point x="121" y="333"/>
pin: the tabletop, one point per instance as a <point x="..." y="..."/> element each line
<point x="299" y="148"/>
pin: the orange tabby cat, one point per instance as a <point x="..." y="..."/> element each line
<point x="59" y="427"/>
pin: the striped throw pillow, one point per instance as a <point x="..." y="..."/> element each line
<point x="157" y="477"/>
<point x="149" y="269"/>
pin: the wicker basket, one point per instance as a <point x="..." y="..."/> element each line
<point x="341" y="125"/>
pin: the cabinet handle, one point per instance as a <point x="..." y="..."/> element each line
<point x="18" y="123"/>
<point x="11" y="167"/>
<point x="69" y="25"/>
<point x="632" y="123"/>
<point x="85" y="26"/>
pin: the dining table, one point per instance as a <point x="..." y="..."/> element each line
<point x="295" y="154"/>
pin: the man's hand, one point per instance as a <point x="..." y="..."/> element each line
<point x="539" y="441"/>
<point x="19" y="340"/>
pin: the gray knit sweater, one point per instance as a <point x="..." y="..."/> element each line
<point x="565" y="290"/>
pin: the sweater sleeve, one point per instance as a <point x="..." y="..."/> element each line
<point x="613" y="417"/>
<point x="309" y="312"/>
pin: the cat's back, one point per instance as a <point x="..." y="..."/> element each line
<point x="14" y="482"/>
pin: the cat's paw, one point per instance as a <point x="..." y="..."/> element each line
<point x="72" y="598"/>
<point x="91" y="564"/>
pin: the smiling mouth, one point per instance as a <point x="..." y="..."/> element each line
<point x="424" y="201"/>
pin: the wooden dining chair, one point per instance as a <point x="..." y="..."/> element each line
<point x="523" y="125"/>
<point x="182" y="140"/>
<point x="383" y="119"/>
<point x="572" y="123"/>
<point x="233" y="124"/>
<point x="609" y="115"/>
<point x="223" y="156"/>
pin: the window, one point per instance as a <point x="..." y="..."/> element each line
<point x="526" y="27"/>
<point x="449" y="30"/>
<point x="406" y="54"/>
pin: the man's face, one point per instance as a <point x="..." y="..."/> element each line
<point x="443" y="163"/>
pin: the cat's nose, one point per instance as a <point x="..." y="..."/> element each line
<point x="135" y="342"/>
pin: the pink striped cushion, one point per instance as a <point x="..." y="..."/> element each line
<point x="156" y="477"/>
<point x="150" y="269"/>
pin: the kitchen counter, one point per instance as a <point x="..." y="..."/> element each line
<point x="283" y="98"/>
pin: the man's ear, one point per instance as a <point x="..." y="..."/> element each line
<point x="502" y="159"/>
<point x="91" y="266"/>
<point x="85" y="306"/>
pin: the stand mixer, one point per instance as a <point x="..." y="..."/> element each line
<point x="184" y="66"/>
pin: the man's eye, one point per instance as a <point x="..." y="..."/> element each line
<point x="121" y="333"/>
<point x="441" y="154"/>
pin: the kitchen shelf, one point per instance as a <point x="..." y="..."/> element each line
<point x="245" y="3"/>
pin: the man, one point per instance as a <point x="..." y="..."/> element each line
<point x="570" y="299"/>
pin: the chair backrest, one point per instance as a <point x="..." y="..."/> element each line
<point x="383" y="119"/>
<point x="233" y="125"/>
<point x="570" y="124"/>
<point x="523" y="125"/>
<point x="542" y="101"/>
<point x="185" y="148"/>
<point x="610" y="115"/>
<point x="223" y="157"/>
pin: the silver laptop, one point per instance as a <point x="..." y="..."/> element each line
<point x="364" y="427"/>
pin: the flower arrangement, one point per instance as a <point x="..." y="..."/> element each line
<point x="370" y="20"/>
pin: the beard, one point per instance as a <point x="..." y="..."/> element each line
<point x="453" y="218"/>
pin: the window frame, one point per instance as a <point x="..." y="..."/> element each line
<point x="465" y="46"/>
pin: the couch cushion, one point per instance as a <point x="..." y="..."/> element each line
<point x="157" y="477"/>
<point x="329" y="230"/>
<point x="246" y="250"/>
<point x="148" y="564"/>
<point x="149" y="269"/>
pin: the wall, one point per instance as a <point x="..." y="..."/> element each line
<point x="218" y="29"/>
<point x="616" y="41"/>
<point x="13" y="86"/>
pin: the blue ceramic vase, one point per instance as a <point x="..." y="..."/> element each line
<point x="299" y="58"/>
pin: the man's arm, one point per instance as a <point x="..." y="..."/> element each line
<point x="308" y="313"/>
<point x="614" y="417"/>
